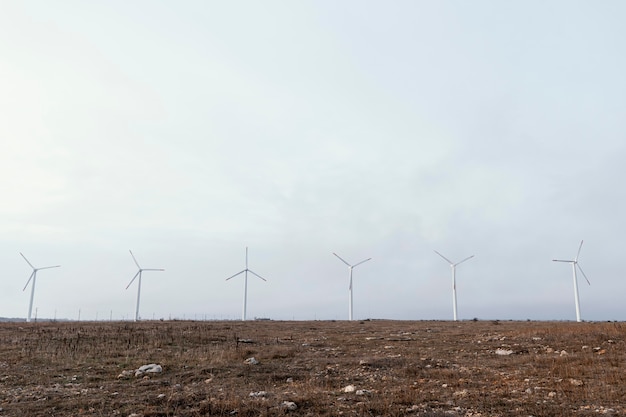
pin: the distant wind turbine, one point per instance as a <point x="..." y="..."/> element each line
<point x="453" y="267"/>
<point x="138" y="274"/>
<point x="574" y="266"/>
<point x="350" y="268"/>
<point x="245" y="284"/>
<point x="33" y="276"/>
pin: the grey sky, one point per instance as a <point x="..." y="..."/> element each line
<point x="186" y="131"/>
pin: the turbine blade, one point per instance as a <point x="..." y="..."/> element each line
<point x="446" y="259"/>
<point x="583" y="272"/>
<point x="342" y="260"/>
<point x="31" y="265"/>
<point x="466" y="259"/>
<point x="562" y="260"/>
<point x="131" y="281"/>
<point x="28" y="282"/>
<point x="254" y="273"/>
<point x="579" y="248"/>
<point x="361" y="262"/>
<point x="153" y="269"/>
<point x="134" y="259"/>
<point x="48" y="267"/>
<point x="238" y="273"/>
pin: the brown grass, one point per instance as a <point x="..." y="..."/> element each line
<point x="407" y="368"/>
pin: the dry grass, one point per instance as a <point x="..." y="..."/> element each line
<point x="406" y="368"/>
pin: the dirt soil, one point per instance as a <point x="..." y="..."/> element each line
<point x="313" y="368"/>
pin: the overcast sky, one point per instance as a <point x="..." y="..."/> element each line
<point x="188" y="130"/>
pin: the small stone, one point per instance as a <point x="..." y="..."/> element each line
<point x="152" y="368"/>
<point x="289" y="405"/>
<point x="564" y="353"/>
<point x="462" y="393"/>
<point x="259" y="394"/>
<point x="251" y="361"/>
<point x="161" y="396"/>
<point x="289" y="380"/>
<point x="552" y="394"/>
<point x="349" y="388"/>
<point x="503" y="352"/>
<point x="576" y="382"/>
<point x="125" y="374"/>
<point x="363" y="392"/>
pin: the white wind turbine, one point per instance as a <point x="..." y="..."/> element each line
<point x="245" y="284"/>
<point x="33" y="276"/>
<point x="574" y="266"/>
<point x="350" y="268"/>
<point x="453" y="267"/>
<point x="138" y="274"/>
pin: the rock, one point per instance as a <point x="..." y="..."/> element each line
<point x="363" y="392"/>
<point x="349" y="388"/>
<point x="251" y="361"/>
<point x="564" y="353"/>
<point x="576" y="382"/>
<point x="259" y="394"/>
<point x="161" y="396"/>
<point x="462" y="393"/>
<point x="289" y="405"/>
<point x="503" y="352"/>
<point x="289" y="380"/>
<point x="153" y="368"/>
<point x="125" y="374"/>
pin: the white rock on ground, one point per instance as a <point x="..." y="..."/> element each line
<point x="503" y="352"/>
<point x="349" y="388"/>
<point x="251" y="361"/>
<point x="125" y="374"/>
<point x="289" y="405"/>
<point x="259" y="394"/>
<point x="152" y="368"/>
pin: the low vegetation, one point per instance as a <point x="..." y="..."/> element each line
<point x="361" y="368"/>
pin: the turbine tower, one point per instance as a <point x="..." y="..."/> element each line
<point x="33" y="276"/>
<point x="138" y="274"/>
<point x="350" y="268"/>
<point x="574" y="266"/>
<point x="245" y="285"/>
<point x="453" y="267"/>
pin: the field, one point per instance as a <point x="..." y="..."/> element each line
<point x="315" y="368"/>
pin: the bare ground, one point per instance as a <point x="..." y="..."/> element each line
<point x="397" y="368"/>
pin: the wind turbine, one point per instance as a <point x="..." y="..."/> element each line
<point x="574" y="266"/>
<point x="138" y="274"/>
<point x="33" y="276"/>
<point x="245" y="284"/>
<point x="453" y="267"/>
<point x="350" y="268"/>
